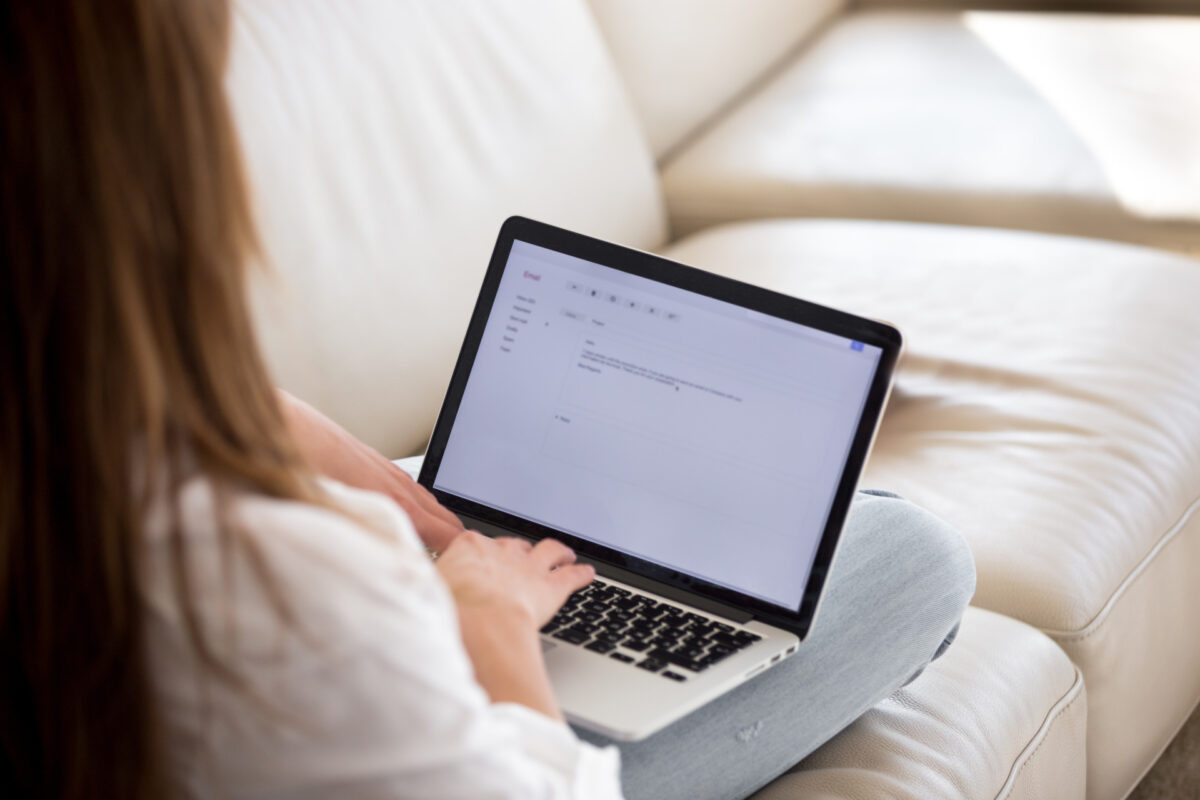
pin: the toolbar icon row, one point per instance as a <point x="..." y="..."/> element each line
<point x="606" y="296"/>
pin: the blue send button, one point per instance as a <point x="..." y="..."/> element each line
<point x="856" y="346"/>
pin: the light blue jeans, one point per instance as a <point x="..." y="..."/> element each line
<point x="900" y="582"/>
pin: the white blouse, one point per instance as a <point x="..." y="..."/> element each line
<point x="368" y="695"/>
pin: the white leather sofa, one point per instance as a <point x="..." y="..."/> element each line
<point x="1080" y="124"/>
<point x="1047" y="405"/>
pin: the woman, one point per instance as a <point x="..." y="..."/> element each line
<point x="187" y="608"/>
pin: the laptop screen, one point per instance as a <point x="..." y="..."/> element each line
<point x="687" y="431"/>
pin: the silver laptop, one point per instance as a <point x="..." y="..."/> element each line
<point x="697" y="439"/>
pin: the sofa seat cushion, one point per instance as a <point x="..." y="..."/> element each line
<point x="1047" y="407"/>
<point x="1075" y="124"/>
<point x="1002" y="714"/>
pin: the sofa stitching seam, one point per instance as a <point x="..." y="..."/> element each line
<point x="1096" y="624"/>
<point x="1011" y="782"/>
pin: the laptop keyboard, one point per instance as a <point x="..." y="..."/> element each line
<point x="639" y="630"/>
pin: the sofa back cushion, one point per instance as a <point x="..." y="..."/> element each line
<point x="385" y="143"/>
<point x="684" y="60"/>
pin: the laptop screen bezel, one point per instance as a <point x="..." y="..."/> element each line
<point x="671" y="273"/>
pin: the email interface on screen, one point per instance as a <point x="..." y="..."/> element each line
<point x="690" y="432"/>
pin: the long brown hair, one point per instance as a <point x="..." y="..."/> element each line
<point x="126" y="348"/>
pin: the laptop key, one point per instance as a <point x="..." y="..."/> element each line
<point x="572" y="635"/>
<point x="635" y="645"/>
<point x="675" y="676"/>
<point x="685" y="660"/>
<point x="651" y="665"/>
<point x="624" y="659"/>
<point x="599" y="646"/>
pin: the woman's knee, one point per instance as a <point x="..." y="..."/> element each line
<point x="921" y="547"/>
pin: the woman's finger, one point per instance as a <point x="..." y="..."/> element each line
<point x="552" y="554"/>
<point x="435" y="533"/>
<point x="409" y="493"/>
<point x="573" y="577"/>
<point x="427" y="501"/>
<point x="513" y="543"/>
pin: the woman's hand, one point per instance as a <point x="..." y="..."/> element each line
<point x="336" y="453"/>
<point x="511" y="577"/>
<point x="505" y="589"/>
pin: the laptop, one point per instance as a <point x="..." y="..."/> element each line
<point x="697" y="439"/>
